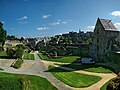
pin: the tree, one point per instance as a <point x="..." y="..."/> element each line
<point x="10" y="52"/>
<point x="21" y="39"/>
<point x="19" y="51"/>
<point x="2" y="34"/>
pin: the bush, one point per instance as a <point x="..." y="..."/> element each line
<point x="10" y="52"/>
<point x="19" y="52"/>
<point x="114" y="85"/>
<point x="25" y="82"/>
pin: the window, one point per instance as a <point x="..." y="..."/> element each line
<point x="97" y="47"/>
<point x="97" y="31"/>
<point x="97" y="40"/>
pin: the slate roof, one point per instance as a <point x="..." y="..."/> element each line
<point x="108" y="25"/>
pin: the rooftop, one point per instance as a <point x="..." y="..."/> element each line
<point x="108" y="25"/>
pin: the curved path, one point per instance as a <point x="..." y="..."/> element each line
<point x="96" y="86"/>
<point x="39" y="68"/>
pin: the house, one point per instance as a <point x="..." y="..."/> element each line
<point x="104" y="33"/>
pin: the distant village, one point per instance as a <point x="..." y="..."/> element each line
<point x="74" y="54"/>
<point x="102" y="44"/>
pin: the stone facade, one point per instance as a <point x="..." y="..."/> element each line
<point x="104" y="33"/>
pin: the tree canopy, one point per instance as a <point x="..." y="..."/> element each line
<point x="2" y="34"/>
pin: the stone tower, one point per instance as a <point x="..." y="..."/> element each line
<point x="104" y="32"/>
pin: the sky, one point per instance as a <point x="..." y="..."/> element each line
<point x="39" y="18"/>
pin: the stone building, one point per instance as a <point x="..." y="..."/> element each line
<point x="104" y="33"/>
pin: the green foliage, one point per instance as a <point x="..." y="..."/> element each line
<point x="32" y="57"/>
<point x="29" y="56"/>
<point x="18" y="64"/>
<point x="2" y="35"/>
<point x="74" y="79"/>
<point x="105" y="85"/>
<point x="19" y="51"/>
<point x="9" y="83"/>
<point x="10" y="52"/>
<point x="12" y="37"/>
<point x="91" y="68"/>
<point x="4" y="55"/>
<point x="65" y="59"/>
<point x="24" y="82"/>
<point x="115" y="84"/>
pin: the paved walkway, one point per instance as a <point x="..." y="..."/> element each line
<point x="39" y="68"/>
<point x="33" y="67"/>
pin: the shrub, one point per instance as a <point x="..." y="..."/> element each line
<point x="19" y="52"/>
<point x="114" y="85"/>
<point x="10" y="52"/>
<point x="25" y="82"/>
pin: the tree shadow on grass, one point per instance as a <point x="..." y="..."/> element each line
<point x="7" y="57"/>
<point x="73" y="67"/>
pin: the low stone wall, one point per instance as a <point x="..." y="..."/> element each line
<point x="115" y="57"/>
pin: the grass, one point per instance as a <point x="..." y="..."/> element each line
<point x="105" y="85"/>
<point x="32" y="57"/>
<point x="74" y="79"/>
<point x="91" y="68"/>
<point x="5" y="56"/>
<point x="29" y="56"/>
<point x="24" y="82"/>
<point x="64" y="59"/>
<point x="17" y="64"/>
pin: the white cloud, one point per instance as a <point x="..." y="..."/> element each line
<point x="23" y="22"/>
<point x="115" y="13"/>
<point x="64" y="22"/>
<point x="2" y="22"/>
<point x="55" y="23"/>
<point x="23" y="18"/>
<point x="46" y="16"/>
<point x="42" y="28"/>
<point x="117" y="25"/>
<point x="90" y="28"/>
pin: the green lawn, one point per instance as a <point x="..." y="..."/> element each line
<point x="90" y="68"/>
<point x="5" y="56"/>
<point x="24" y="82"/>
<point x="105" y="85"/>
<point x="74" y="79"/>
<point x="64" y="59"/>
<point x="18" y="64"/>
<point x="29" y="56"/>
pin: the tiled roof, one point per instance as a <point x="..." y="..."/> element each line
<point x="108" y="25"/>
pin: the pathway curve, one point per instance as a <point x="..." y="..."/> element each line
<point x="33" y="67"/>
<point x="39" y="67"/>
<point x="96" y="86"/>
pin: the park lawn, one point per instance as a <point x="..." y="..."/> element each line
<point x="2" y="54"/>
<point x="19" y="82"/>
<point x="73" y="79"/>
<point x="90" y="68"/>
<point x="5" y="56"/>
<point x="32" y="57"/>
<point x="105" y="85"/>
<point x="64" y="59"/>
<point x="28" y="56"/>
